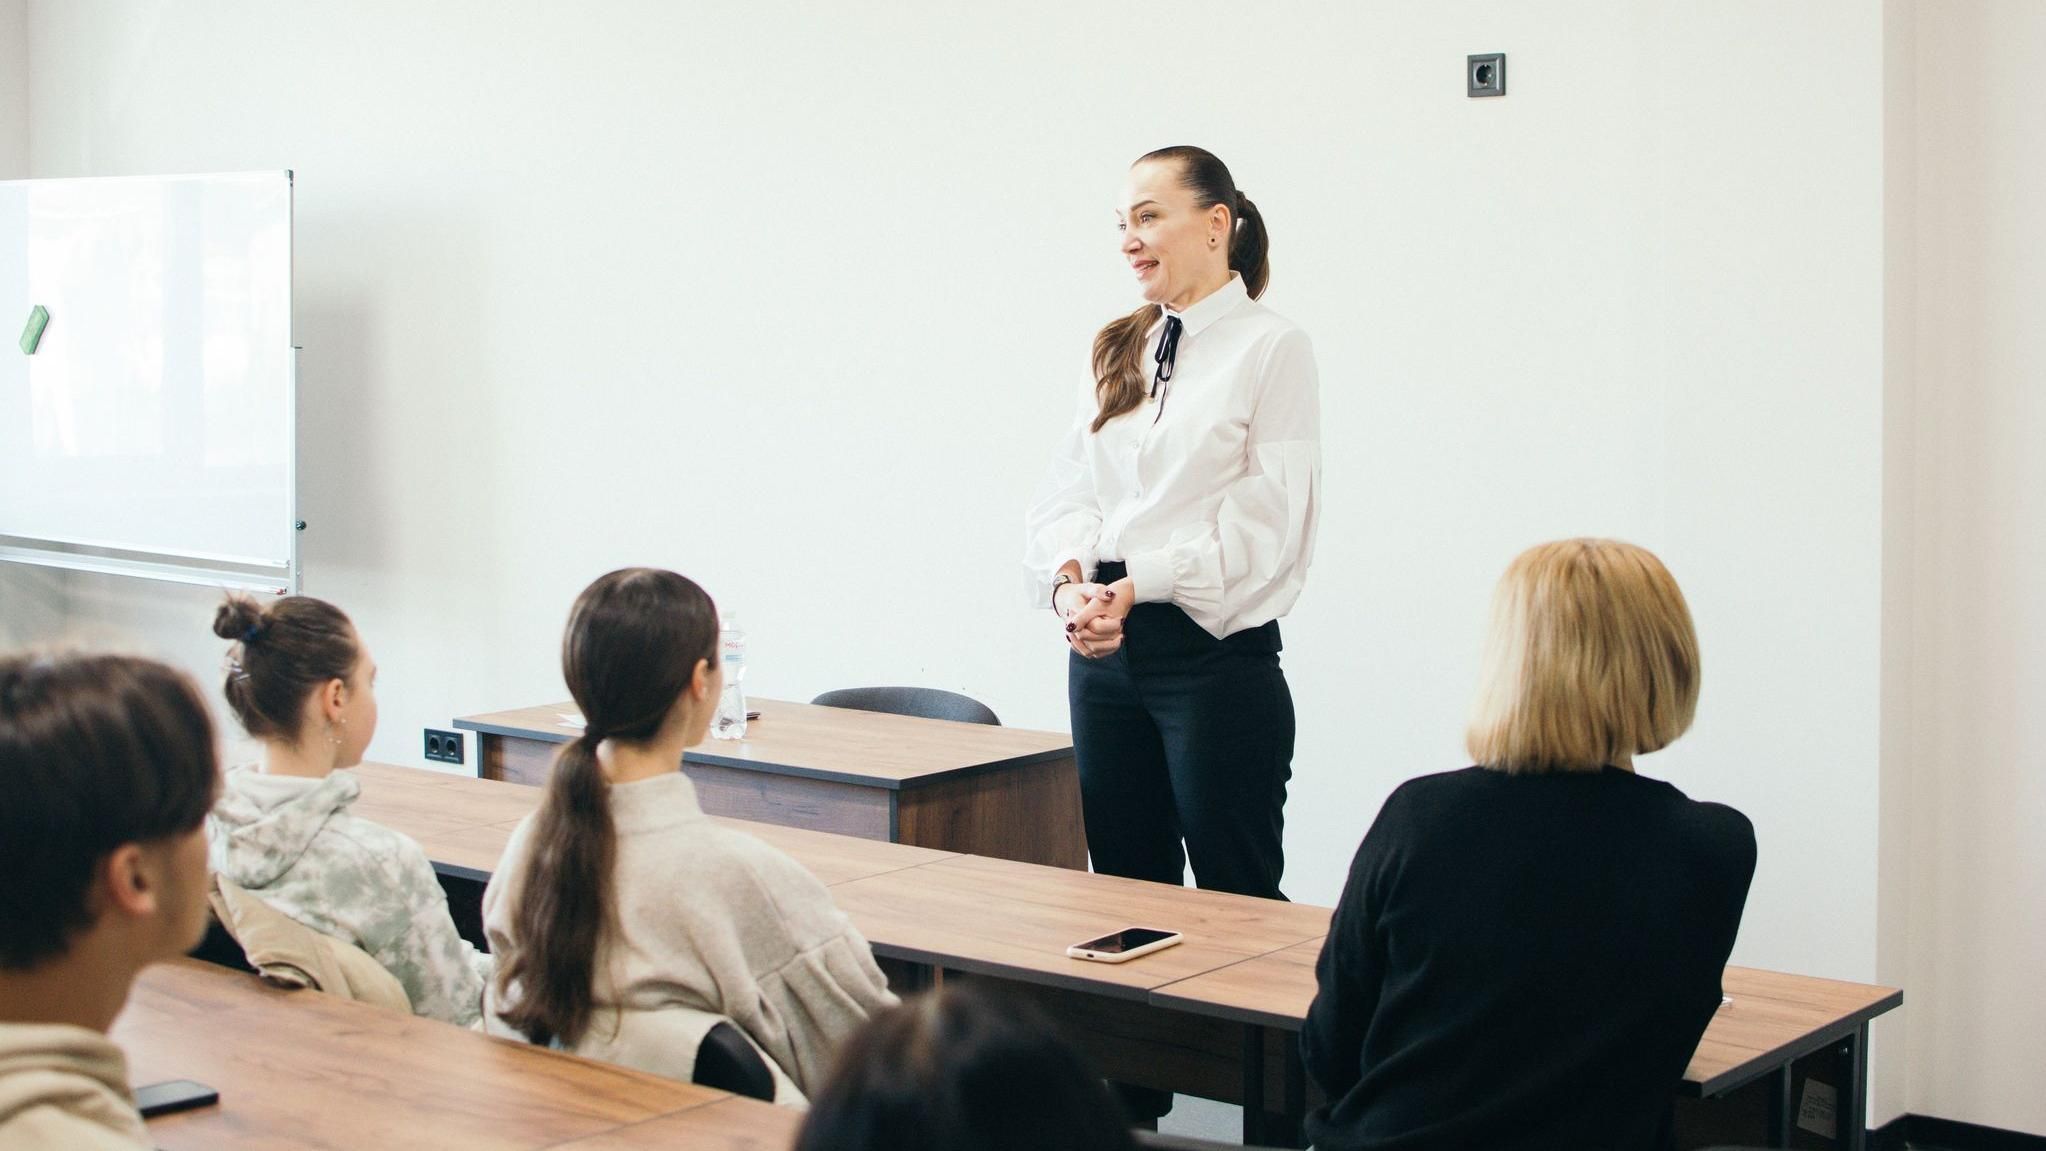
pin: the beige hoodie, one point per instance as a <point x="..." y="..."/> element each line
<point x="64" y="1088"/>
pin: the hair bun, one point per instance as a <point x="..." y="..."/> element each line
<point x="239" y="618"/>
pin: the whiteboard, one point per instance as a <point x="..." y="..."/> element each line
<point x="157" y="415"/>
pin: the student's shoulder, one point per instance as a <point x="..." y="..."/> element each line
<point x="1717" y="830"/>
<point x="1441" y="789"/>
<point x="740" y="859"/>
<point x="1422" y="804"/>
<point x="377" y="846"/>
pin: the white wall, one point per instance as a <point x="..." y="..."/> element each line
<point x="13" y="89"/>
<point x="32" y="603"/>
<point x="1977" y="564"/>
<point x="790" y="298"/>
<point x="1898" y="821"/>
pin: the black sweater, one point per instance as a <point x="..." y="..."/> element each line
<point x="1524" y="962"/>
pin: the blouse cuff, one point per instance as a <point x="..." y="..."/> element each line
<point x="1151" y="573"/>
<point x="1085" y="557"/>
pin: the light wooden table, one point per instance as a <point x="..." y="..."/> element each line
<point x="1774" y="1020"/>
<point x="997" y="791"/>
<point x="297" y="1069"/>
<point x="463" y="824"/>
<point x="1216" y="1016"/>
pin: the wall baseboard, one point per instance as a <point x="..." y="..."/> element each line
<point x="1925" y="1133"/>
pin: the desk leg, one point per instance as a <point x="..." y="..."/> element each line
<point x="1779" y="1107"/>
<point x="1253" y="1084"/>
<point x="1853" y="1106"/>
<point x="1296" y="1093"/>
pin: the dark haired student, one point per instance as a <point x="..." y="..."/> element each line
<point x="106" y="771"/>
<point x="301" y="680"/>
<point x="1174" y="532"/>
<point x="960" y="1069"/>
<point x="621" y="915"/>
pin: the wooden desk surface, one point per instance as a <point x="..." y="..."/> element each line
<point x="1272" y="990"/>
<point x="733" y="1125"/>
<point x="305" y="1070"/>
<point x="463" y="823"/>
<point x="866" y="748"/>
<point x="1772" y="1013"/>
<point x="1015" y="920"/>
<point x="1245" y="960"/>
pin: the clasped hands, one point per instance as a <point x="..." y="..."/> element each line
<point x="1093" y="614"/>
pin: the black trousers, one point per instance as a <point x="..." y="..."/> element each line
<point x="1184" y="737"/>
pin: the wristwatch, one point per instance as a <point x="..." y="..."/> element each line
<point x="1058" y="581"/>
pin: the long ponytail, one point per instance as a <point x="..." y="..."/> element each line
<point x="634" y="640"/>
<point x="564" y="908"/>
<point x="1119" y="346"/>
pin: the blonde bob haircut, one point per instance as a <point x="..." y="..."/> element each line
<point x="1591" y="660"/>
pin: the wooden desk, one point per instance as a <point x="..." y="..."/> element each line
<point x="732" y="1125"/>
<point x="1215" y="1016"/>
<point x="463" y="824"/>
<point x="1014" y="920"/>
<point x="1774" y="1020"/>
<point x="305" y="1070"/>
<point x="997" y="791"/>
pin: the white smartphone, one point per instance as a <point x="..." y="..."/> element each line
<point x="1125" y="945"/>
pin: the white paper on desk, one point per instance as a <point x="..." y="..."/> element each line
<point x="571" y="719"/>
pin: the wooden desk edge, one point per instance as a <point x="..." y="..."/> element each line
<point x="1746" y="1071"/>
<point x="880" y="783"/>
<point x="987" y="967"/>
<point x="1161" y="998"/>
<point x="484" y="727"/>
<point x="699" y="755"/>
<point x="459" y="871"/>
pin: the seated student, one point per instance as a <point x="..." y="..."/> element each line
<point x="1527" y="951"/>
<point x="959" y="1070"/>
<point x="301" y="681"/>
<point x="619" y="907"/>
<point x="106" y="771"/>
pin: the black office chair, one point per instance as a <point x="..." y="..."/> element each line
<point x="726" y="1061"/>
<point x="923" y="702"/>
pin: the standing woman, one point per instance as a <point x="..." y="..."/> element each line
<point x="1176" y="529"/>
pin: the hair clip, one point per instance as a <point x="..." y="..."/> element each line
<point x="251" y="635"/>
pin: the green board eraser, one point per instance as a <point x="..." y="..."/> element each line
<point x="38" y="319"/>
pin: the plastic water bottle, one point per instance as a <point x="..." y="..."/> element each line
<point x="730" y="722"/>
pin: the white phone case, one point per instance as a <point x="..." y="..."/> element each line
<point x="1078" y="951"/>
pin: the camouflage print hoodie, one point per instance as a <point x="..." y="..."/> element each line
<point x="292" y="841"/>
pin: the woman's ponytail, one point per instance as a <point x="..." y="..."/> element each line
<point x="565" y="903"/>
<point x="1119" y="363"/>
<point x="634" y="641"/>
<point x="1249" y="247"/>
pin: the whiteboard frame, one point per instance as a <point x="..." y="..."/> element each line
<point x="223" y="572"/>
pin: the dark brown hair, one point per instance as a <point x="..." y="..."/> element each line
<point x="96" y="751"/>
<point x="280" y="654"/>
<point x="634" y="639"/>
<point x="960" y="1070"/>
<point x="1119" y="347"/>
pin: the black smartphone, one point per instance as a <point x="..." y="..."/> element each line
<point x="153" y="1099"/>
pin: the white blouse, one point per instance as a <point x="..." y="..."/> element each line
<point x="1212" y="502"/>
